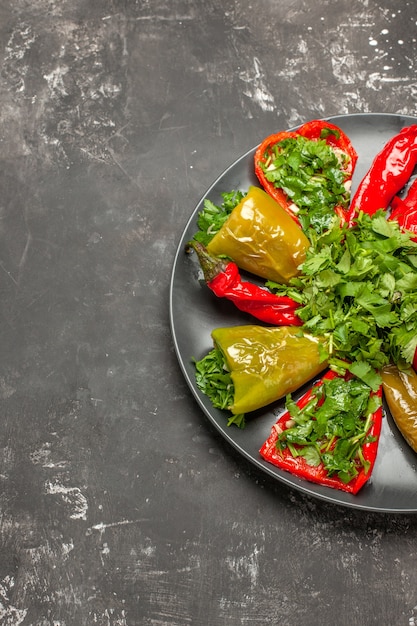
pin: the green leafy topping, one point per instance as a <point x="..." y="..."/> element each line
<point x="212" y="217"/>
<point x="312" y="174"/>
<point x="358" y="287"/>
<point x="333" y="427"/>
<point x="326" y="132"/>
<point x="215" y="381"/>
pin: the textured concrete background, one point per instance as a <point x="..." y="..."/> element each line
<point x="119" y="504"/>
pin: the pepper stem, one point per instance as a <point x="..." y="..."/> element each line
<point x="211" y="265"/>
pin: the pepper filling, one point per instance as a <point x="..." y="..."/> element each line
<point x="312" y="174"/>
<point x="331" y="429"/>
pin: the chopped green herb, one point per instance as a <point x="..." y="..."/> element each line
<point x="214" y="380"/>
<point x="312" y="175"/>
<point x="332" y="428"/>
<point x="358" y="287"/>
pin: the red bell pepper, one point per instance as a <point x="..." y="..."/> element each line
<point x="389" y="172"/>
<point x="314" y="130"/>
<point x="224" y="280"/>
<point x="285" y="458"/>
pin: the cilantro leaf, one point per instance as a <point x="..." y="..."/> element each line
<point x="312" y="175"/>
<point x="332" y="427"/>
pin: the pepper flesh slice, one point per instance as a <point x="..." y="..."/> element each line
<point x="312" y="130"/>
<point x="400" y="390"/>
<point x="298" y="465"/>
<point x="261" y="238"/>
<point x="266" y="363"/>
<point x="223" y="278"/>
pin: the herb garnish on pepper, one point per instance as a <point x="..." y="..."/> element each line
<point x="329" y="436"/>
<point x="308" y="172"/>
<point x="264" y="364"/>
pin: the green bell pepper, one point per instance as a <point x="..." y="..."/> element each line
<point x="267" y="363"/>
<point x="261" y="238"/>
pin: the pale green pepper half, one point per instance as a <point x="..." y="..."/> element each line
<point x="261" y="238"/>
<point x="400" y="389"/>
<point x="267" y="363"/>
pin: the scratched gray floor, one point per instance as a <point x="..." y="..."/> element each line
<point x="119" y="505"/>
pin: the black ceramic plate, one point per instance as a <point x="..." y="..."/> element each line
<point x="195" y="312"/>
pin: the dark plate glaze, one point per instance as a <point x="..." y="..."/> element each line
<point x="195" y="312"/>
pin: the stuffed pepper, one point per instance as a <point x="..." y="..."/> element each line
<point x="400" y="390"/>
<point x="309" y="172"/>
<point x="330" y="436"/>
<point x="253" y="366"/>
<point x="261" y="238"/>
<point x="390" y="171"/>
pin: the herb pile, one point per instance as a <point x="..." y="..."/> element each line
<point x="358" y="288"/>
<point x="332" y="427"/>
<point x="216" y="383"/>
<point x="312" y="175"/>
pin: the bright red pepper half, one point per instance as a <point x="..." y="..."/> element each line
<point x="311" y="130"/>
<point x="388" y="174"/>
<point x="318" y="474"/>
<point x="224" y="280"/>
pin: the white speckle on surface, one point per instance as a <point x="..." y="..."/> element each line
<point x="101" y="527"/>
<point x="71" y="496"/>
<point x="6" y="390"/>
<point x="246" y="566"/>
<point x="55" y="80"/>
<point x="256" y="89"/>
<point x="67" y="548"/>
<point x="109" y="616"/>
<point x="9" y="614"/>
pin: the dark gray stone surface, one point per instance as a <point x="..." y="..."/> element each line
<point x="119" y="504"/>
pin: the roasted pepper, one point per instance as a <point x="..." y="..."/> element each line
<point x="308" y="171"/>
<point x="224" y="280"/>
<point x="330" y="436"/>
<point x="400" y="390"/>
<point x="265" y="364"/>
<point x="261" y="238"/>
<point x="388" y="174"/>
